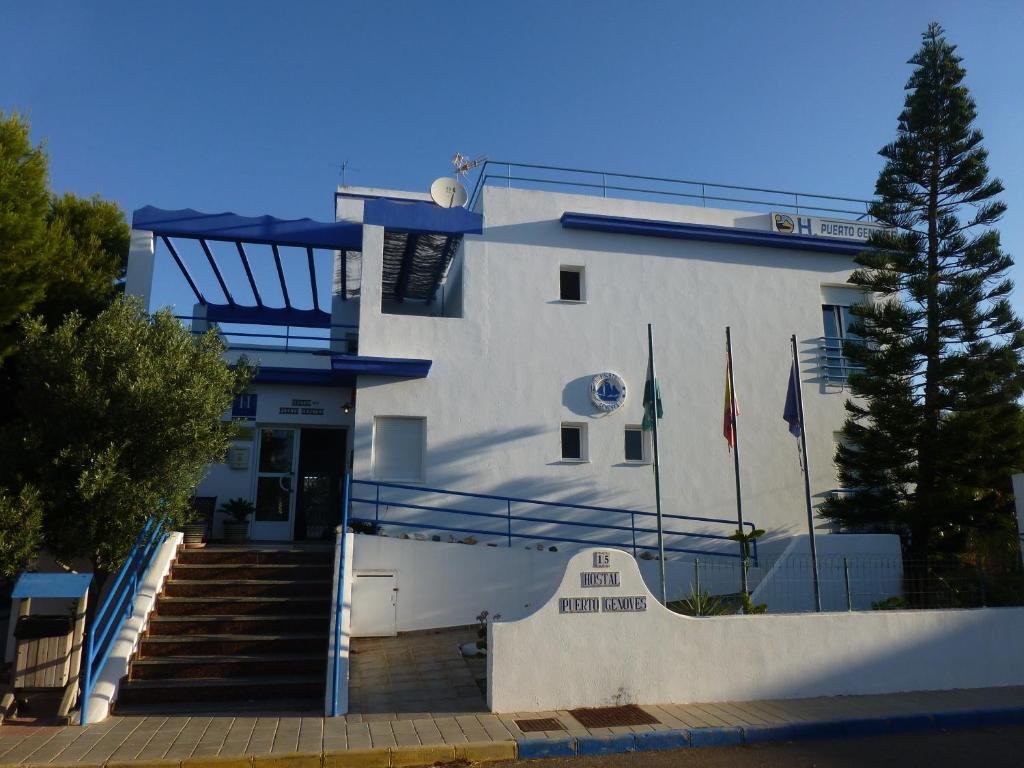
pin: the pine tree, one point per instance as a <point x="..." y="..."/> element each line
<point x="933" y="431"/>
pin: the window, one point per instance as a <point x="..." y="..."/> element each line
<point x="570" y="284"/>
<point x="836" y="322"/>
<point x="574" y="442"/>
<point x="636" y="445"/>
<point x="398" y="443"/>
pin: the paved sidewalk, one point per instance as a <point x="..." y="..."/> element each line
<point x="190" y="738"/>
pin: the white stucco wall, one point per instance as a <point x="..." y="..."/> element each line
<point x="551" y="660"/>
<point x="448" y="585"/>
<point x="519" y="361"/>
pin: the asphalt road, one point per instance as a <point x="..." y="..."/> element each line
<point x="984" y="748"/>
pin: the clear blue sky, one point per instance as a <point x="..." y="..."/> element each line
<point x="245" y="106"/>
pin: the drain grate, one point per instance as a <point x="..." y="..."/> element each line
<point x="612" y="717"/>
<point x="539" y="724"/>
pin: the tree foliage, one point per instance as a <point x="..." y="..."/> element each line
<point x="24" y="239"/>
<point x="933" y="430"/>
<point x="116" y="420"/>
<point x="21" y="530"/>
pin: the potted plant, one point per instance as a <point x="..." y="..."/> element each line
<point x="199" y="520"/>
<point x="236" y="529"/>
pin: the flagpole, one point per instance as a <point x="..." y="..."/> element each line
<point x="807" y="473"/>
<point x="657" y="474"/>
<point x="736" y="458"/>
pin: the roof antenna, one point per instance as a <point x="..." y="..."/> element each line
<point x="342" y="167"/>
<point x="463" y="165"/>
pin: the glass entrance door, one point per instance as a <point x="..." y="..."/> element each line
<point x="275" y="485"/>
<point x="318" y="492"/>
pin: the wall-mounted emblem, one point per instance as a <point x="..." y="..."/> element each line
<point x="784" y="223"/>
<point x="608" y="391"/>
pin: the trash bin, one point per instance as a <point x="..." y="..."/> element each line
<point x="43" y="651"/>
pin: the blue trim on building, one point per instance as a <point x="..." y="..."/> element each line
<point x="423" y="218"/>
<point x="673" y="229"/>
<point x="407" y="368"/>
<point x="344" y="370"/>
<point x="230" y="227"/>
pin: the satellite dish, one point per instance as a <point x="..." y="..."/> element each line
<point x="448" y="193"/>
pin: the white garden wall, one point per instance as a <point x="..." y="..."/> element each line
<point x="556" y="660"/>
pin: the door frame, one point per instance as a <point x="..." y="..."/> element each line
<point x="289" y="534"/>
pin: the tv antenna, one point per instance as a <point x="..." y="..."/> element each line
<point x="342" y="167"/>
<point x="463" y="165"/>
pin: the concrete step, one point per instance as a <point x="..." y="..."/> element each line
<point x="194" y="694"/>
<point x="228" y="555"/>
<point x="230" y="589"/>
<point x="228" y="645"/>
<point x="247" y="606"/>
<point x="176" y="626"/>
<point x="258" y="666"/>
<point x="235" y="572"/>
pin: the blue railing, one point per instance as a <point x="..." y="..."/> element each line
<point x="636" y="187"/>
<point x="339" y="602"/>
<point x="117" y="607"/>
<point x="513" y="527"/>
<point x="287" y="341"/>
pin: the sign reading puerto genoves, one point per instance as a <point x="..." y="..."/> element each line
<point x="792" y="224"/>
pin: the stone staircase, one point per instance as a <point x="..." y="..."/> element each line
<point x="235" y="629"/>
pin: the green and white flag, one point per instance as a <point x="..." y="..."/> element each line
<point x="649" y="407"/>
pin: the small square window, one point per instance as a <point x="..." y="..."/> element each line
<point x="570" y="284"/>
<point x="574" y="442"/>
<point x="635" y="448"/>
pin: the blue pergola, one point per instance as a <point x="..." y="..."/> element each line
<point x="423" y="235"/>
<point x="428" y="234"/>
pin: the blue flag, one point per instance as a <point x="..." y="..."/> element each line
<point x="791" y="413"/>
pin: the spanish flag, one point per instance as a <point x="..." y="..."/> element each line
<point x="731" y="409"/>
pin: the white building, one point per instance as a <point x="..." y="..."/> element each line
<point x="457" y="356"/>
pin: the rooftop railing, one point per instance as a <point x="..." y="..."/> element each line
<point x="659" y="188"/>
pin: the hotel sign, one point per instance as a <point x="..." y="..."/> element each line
<point x="814" y="226"/>
<point x="604" y="580"/>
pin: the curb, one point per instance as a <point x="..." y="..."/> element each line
<point x="573" y="746"/>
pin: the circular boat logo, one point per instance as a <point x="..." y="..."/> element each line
<point x="784" y="223"/>
<point x="608" y="391"/>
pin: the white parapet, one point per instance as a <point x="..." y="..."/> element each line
<point x="604" y="639"/>
<point x="108" y="679"/>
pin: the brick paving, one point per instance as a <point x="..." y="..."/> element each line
<point x="415" y="690"/>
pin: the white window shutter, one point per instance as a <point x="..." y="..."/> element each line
<point x="398" y="448"/>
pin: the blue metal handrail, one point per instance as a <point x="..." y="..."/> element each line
<point x="117" y="607"/>
<point x="509" y="519"/>
<point x="339" y="601"/>
<point x="623" y="184"/>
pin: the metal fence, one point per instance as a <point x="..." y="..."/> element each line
<point x="855" y="582"/>
<point x="659" y="188"/>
